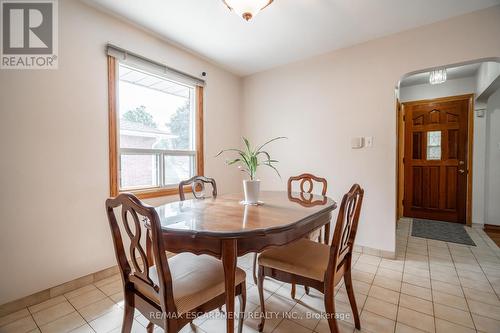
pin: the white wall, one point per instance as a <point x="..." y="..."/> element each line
<point x="320" y="103"/>
<point x="454" y="87"/>
<point x="492" y="162"/>
<point x="54" y="148"/>
<point x="487" y="73"/>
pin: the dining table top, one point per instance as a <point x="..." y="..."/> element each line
<point x="226" y="215"/>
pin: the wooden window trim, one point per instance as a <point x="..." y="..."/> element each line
<point x="113" y="139"/>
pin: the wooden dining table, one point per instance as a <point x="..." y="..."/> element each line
<point x="225" y="228"/>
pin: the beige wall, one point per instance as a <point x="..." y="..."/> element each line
<point x="54" y="148"/>
<point x="320" y="103"/>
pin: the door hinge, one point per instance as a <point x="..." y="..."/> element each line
<point x="403" y="160"/>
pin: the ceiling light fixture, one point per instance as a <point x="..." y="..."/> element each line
<point x="437" y="76"/>
<point x="247" y="8"/>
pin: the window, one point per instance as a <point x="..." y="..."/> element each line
<point x="434" y="145"/>
<point x="155" y="130"/>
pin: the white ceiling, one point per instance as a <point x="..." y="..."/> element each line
<point x="286" y="31"/>
<point x="451" y="74"/>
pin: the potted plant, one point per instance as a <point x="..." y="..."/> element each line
<point x="248" y="160"/>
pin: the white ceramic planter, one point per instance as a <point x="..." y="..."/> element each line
<point x="251" y="189"/>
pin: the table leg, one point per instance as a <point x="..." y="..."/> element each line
<point x="229" y="257"/>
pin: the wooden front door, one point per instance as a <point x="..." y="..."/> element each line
<point x="435" y="159"/>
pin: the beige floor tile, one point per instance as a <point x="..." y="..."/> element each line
<point x="384" y="294"/>
<point x="87" y="298"/>
<point x="64" y="324"/>
<point x="47" y="304"/>
<point x="21" y="325"/>
<point x="416" y="319"/>
<point x="97" y="309"/>
<point x="83" y="329"/>
<point x="447" y="288"/>
<point x="443" y="326"/>
<point x="108" y="321"/>
<point x="424" y="273"/>
<point x="373" y="323"/>
<point x="394" y="265"/>
<point x="480" y="296"/>
<point x="14" y="316"/>
<point x="486" y="325"/>
<point x="485" y="310"/>
<point x="417" y="280"/>
<point x="450" y="300"/>
<point x="361" y="287"/>
<point x="250" y="324"/>
<point x="412" y="290"/>
<point x="445" y="277"/>
<point x="403" y="328"/>
<point x="369" y="259"/>
<point x="286" y="289"/>
<point x="52" y="313"/>
<point x="454" y="315"/>
<point x="476" y="285"/>
<point x="287" y="326"/>
<point x="112" y="288"/>
<point x="389" y="273"/>
<point x="387" y="283"/>
<point x="384" y="309"/>
<point x="367" y="268"/>
<point x="344" y="327"/>
<point x="362" y="276"/>
<point x="342" y="296"/>
<point x="417" y="304"/>
<point x="253" y="295"/>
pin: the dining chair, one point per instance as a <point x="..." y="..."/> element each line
<point x="172" y="292"/>
<point x="302" y="180"/>
<point x="310" y="180"/>
<point x="197" y="184"/>
<point x="319" y="266"/>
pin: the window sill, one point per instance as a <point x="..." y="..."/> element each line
<point x="157" y="192"/>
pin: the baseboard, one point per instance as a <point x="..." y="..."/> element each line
<point x="58" y="290"/>
<point x="375" y="252"/>
<point x="491" y="227"/>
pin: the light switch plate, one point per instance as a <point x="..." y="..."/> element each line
<point x="357" y="143"/>
<point x="369" y="141"/>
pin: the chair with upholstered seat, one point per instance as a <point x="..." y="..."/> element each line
<point x="302" y="180"/>
<point x="169" y="293"/>
<point x="319" y="266"/>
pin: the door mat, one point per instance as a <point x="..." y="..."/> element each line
<point x="443" y="231"/>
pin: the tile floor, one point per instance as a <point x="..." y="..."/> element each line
<point x="431" y="286"/>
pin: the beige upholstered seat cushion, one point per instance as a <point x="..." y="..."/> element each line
<point x="195" y="280"/>
<point x="303" y="257"/>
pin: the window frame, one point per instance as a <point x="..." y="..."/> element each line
<point x="114" y="149"/>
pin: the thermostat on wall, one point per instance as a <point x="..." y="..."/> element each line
<point x="357" y="143"/>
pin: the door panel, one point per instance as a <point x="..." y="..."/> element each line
<point x="435" y="159"/>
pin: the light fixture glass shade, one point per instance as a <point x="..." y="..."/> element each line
<point x="437" y="76"/>
<point x="247" y="8"/>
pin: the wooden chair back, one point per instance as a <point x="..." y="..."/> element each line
<point x="310" y="180"/>
<point x="197" y="187"/>
<point x="135" y="271"/>
<point x="345" y="229"/>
